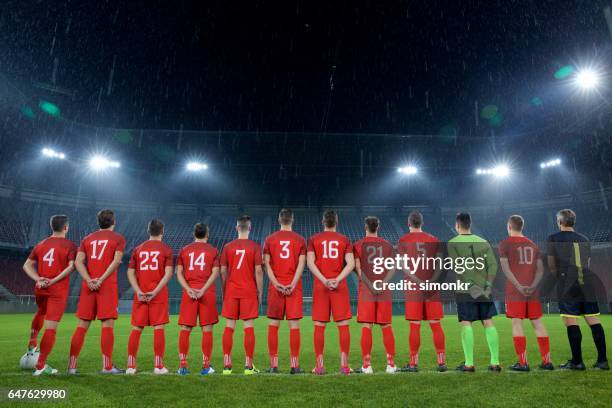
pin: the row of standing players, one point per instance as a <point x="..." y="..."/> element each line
<point x="330" y="257"/>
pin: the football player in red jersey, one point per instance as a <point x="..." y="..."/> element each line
<point x="97" y="261"/>
<point x="373" y="307"/>
<point x="423" y="305"/>
<point x="149" y="271"/>
<point x="285" y="258"/>
<point x="50" y="265"/>
<point x="242" y="278"/>
<point x="520" y="261"/>
<point x="330" y="260"/>
<point x="197" y="269"/>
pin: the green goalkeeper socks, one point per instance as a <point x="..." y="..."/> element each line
<point x="467" y="341"/>
<point x="493" y="342"/>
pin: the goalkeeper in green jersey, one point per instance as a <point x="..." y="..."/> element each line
<point x="475" y="264"/>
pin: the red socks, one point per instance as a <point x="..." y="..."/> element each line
<point x="107" y="340"/>
<point x="438" y="340"/>
<point x="133" y="343"/>
<point x="415" y="343"/>
<point x="294" y="345"/>
<point x="159" y="346"/>
<point x="37" y="324"/>
<point x="183" y="345"/>
<point x="345" y="344"/>
<point x="389" y="343"/>
<point x="520" y="346"/>
<point x="228" y="343"/>
<point x="273" y="345"/>
<point x="46" y="344"/>
<point x="544" y="344"/>
<point x="366" y="346"/>
<point x="207" y="344"/>
<point x="76" y="344"/>
<point x="249" y="346"/>
<point x="319" y="344"/>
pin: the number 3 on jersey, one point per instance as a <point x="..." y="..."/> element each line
<point x="285" y="249"/>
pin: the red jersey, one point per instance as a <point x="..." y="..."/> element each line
<point x="329" y="248"/>
<point x="99" y="248"/>
<point x="52" y="256"/>
<point x="285" y="249"/>
<point x="198" y="260"/>
<point x="522" y="255"/>
<point x="241" y="256"/>
<point x="420" y="244"/>
<point x="150" y="260"/>
<point x="368" y="248"/>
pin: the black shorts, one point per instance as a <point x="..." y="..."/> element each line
<point x="474" y="311"/>
<point x="577" y="309"/>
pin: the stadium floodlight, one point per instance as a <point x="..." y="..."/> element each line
<point x="587" y="79"/>
<point x="550" y="163"/>
<point x="498" y="171"/>
<point x="99" y="163"/>
<point x="408" y="170"/>
<point x="47" y="152"/>
<point x="196" y="166"/>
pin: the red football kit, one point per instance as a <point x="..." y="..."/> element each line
<point x="52" y="256"/>
<point x="421" y="305"/>
<point x="370" y="308"/>
<point x="149" y="260"/>
<point x="523" y="256"/>
<point x="198" y="260"/>
<point x="99" y="248"/>
<point x="285" y="249"/>
<point x="330" y="249"/>
<point x="240" y="300"/>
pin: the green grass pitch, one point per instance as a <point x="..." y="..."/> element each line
<point x="426" y="388"/>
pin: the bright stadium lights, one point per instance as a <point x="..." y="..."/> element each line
<point x="587" y="79"/>
<point x="550" y="163"/>
<point x="196" y="166"/>
<point x="99" y="163"/>
<point x="498" y="171"/>
<point x="47" y="152"/>
<point x="408" y="170"/>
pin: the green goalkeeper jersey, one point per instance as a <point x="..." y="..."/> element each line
<point x="482" y="270"/>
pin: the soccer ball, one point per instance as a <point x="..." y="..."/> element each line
<point x="28" y="360"/>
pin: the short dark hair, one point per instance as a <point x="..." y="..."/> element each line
<point x="464" y="220"/>
<point x="155" y="228"/>
<point x="285" y="216"/>
<point x="106" y="218"/>
<point x="415" y="219"/>
<point x="243" y="223"/>
<point x="200" y="230"/>
<point x="516" y="223"/>
<point x="330" y="218"/>
<point x="566" y="217"/>
<point x="58" y="222"/>
<point x="372" y="223"/>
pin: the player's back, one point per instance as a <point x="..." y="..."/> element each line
<point x="53" y="255"/>
<point x="284" y="249"/>
<point x="149" y="260"/>
<point x="330" y="249"/>
<point x="198" y="260"/>
<point x="241" y="256"/>
<point x="100" y="247"/>
<point x="522" y="255"/>
<point x="366" y="250"/>
<point x="420" y="244"/>
<point x="572" y="252"/>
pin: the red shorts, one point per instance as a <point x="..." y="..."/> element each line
<point x="430" y="310"/>
<point x="374" y="312"/>
<point x="281" y="306"/>
<point x="528" y="309"/>
<point x="203" y="309"/>
<point x="51" y="305"/>
<point x="149" y="314"/>
<point x="240" y="308"/>
<point x="101" y="304"/>
<point x="325" y="301"/>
